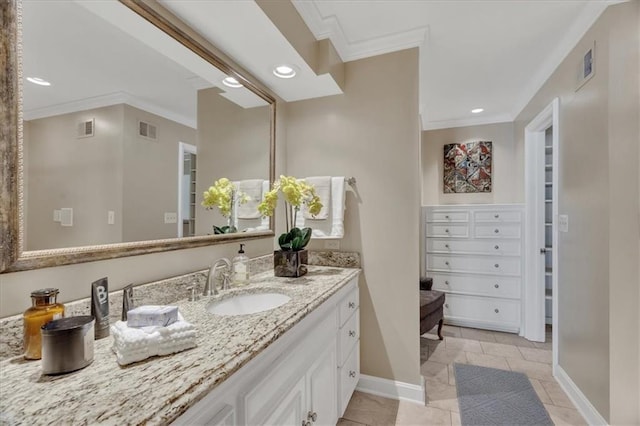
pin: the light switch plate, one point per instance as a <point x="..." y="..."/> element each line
<point x="56" y="215"/>
<point x="171" y="217"/>
<point x="563" y="223"/>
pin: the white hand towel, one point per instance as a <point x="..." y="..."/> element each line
<point x="333" y="226"/>
<point x="252" y="188"/>
<point x="322" y="186"/>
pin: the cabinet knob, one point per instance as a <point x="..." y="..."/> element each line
<point x="496" y="286"/>
<point x="496" y="231"/>
<point x="496" y="265"/>
<point x="312" y="415"/>
<point x="352" y="373"/>
<point x="446" y="216"/>
<point x="446" y="282"/>
<point x="496" y="311"/>
<point x="352" y="305"/>
<point x="496" y="247"/>
<point x="446" y="230"/>
<point x="446" y="245"/>
<point x="496" y="216"/>
<point x="352" y="334"/>
<point x="446" y="263"/>
<point x="446" y="305"/>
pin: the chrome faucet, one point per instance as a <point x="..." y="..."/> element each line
<point x="210" y="288"/>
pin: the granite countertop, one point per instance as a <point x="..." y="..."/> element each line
<point x="160" y="389"/>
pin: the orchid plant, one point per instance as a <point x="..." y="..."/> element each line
<point x="224" y="195"/>
<point x="296" y="194"/>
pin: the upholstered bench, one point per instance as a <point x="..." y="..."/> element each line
<point x="431" y="307"/>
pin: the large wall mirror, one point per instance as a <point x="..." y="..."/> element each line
<point x="123" y="121"/>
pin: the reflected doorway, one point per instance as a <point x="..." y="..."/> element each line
<point x="187" y="190"/>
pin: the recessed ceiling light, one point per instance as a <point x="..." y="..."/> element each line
<point x="231" y="82"/>
<point x="284" y="71"/>
<point x="39" y="81"/>
<point x="477" y="110"/>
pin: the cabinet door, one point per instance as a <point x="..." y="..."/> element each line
<point x="322" y="387"/>
<point x="290" y="410"/>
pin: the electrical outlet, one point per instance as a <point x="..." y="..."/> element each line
<point x="332" y="244"/>
<point x="563" y="223"/>
<point x="171" y="218"/>
<point x="111" y="217"/>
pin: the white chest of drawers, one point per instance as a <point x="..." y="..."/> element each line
<point x="474" y="253"/>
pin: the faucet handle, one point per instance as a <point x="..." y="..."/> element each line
<point x="193" y="296"/>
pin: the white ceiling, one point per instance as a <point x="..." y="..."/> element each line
<point x="491" y="54"/>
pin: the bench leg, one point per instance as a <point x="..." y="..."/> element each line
<point x="440" y="329"/>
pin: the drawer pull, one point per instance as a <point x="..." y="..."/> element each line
<point x="497" y="311"/>
<point x="446" y="216"/>
<point x="497" y="247"/>
<point x="446" y="263"/>
<point x="496" y="216"/>
<point x="446" y="282"/>
<point x="496" y="231"/>
<point x="352" y="305"/>
<point x="446" y="230"/>
<point x="496" y="286"/>
<point x="352" y="333"/>
<point x="496" y="265"/>
<point x="352" y="373"/>
<point x="312" y="415"/>
<point x="446" y="245"/>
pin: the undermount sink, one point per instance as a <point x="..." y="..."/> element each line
<point x="244" y="304"/>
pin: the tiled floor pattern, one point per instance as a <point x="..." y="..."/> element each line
<point x="470" y="346"/>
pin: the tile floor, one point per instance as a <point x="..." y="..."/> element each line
<point x="465" y="345"/>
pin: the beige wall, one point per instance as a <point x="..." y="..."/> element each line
<point x="63" y="170"/>
<point x="507" y="169"/>
<point x="150" y="176"/>
<point x="372" y="133"/>
<point x="598" y="268"/>
<point x="233" y="142"/>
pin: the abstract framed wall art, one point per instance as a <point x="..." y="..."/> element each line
<point x="467" y="167"/>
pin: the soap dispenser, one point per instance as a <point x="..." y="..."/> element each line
<point x="240" y="268"/>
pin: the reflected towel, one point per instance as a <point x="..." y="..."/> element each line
<point x="135" y="344"/>
<point x="333" y="226"/>
<point x="252" y="188"/>
<point x="322" y="186"/>
<point x="261" y="223"/>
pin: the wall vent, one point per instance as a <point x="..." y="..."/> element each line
<point x="147" y="130"/>
<point x="86" y="128"/>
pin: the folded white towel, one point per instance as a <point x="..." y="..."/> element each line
<point x="252" y="188"/>
<point x="259" y="224"/>
<point x="333" y="226"/>
<point x="135" y="344"/>
<point x="322" y="186"/>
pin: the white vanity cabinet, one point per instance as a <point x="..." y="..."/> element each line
<point x="474" y="253"/>
<point x="298" y="379"/>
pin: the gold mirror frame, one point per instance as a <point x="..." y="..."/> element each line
<point x="12" y="257"/>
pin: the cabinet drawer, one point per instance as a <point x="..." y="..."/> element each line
<point x="349" y="376"/>
<point x="447" y="216"/>
<point x="497" y="216"/>
<point x="447" y="230"/>
<point x="480" y="264"/>
<point x="474" y="246"/>
<point x="484" y="309"/>
<point x="497" y="231"/>
<point x="347" y="306"/>
<point x="478" y="284"/>
<point x="349" y="335"/>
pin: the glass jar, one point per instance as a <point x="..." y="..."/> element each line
<point x="43" y="309"/>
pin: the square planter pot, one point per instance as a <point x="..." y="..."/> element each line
<point x="290" y="263"/>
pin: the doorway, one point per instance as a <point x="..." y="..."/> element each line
<point x="541" y="253"/>
<point x="186" y="190"/>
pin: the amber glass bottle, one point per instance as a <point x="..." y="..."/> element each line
<point x="43" y="309"/>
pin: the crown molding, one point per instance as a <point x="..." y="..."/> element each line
<point x="329" y="27"/>
<point x="578" y="29"/>
<point x="464" y="122"/>
<point x="105" y="101"/>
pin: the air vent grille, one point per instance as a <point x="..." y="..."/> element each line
<point x="147" y="130"/>
<point x="86" y="128"/>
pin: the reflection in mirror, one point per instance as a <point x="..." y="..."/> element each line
<point x="131" y="131"/>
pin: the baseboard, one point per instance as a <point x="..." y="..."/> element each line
<point x="576" y="396"/>
<point x="392" y="389"/>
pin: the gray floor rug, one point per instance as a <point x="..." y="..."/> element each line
<point x="488" y="396"/>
